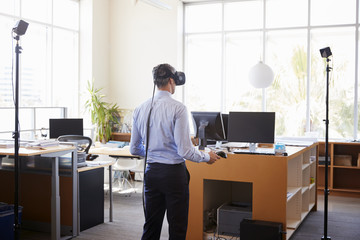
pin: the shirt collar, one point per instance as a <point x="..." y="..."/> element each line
<point x="162" y="93"/>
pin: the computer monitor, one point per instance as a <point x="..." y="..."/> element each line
<point x="65" y="126"/>
<point x="208" y="125"/>
<point x="251" y="127"/>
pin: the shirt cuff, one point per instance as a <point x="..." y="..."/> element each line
<point x="205" y="158"/>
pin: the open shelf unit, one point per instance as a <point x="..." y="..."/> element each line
<point x="343" y="180"/>
<point x="301" y="188"/>
<point x="282" y="189"/>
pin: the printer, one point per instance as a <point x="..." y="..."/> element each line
<point x="229" y="216"/>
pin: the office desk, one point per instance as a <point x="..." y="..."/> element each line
<point x="54" y="153"/>
<point x="82" y="196"/>
<point x="114" y="152"/>
<point x="117" y="152"/>
<point x="91" y="196"/>
<point x="99" y="166"/>
<point x="261" y="179"/>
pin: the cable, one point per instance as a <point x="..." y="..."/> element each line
<point x="147" y="146"/>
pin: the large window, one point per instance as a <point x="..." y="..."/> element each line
<point x="49" y="60"/>
<point x="34" y="121"/>
<point x="223" y="40"/>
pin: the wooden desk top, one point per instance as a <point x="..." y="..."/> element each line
<point x="118" y="152"/>
<point x="94" y="165"/>
<point x="33" y="152"/>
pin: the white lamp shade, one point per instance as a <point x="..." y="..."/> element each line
<point x="261" y="75"/>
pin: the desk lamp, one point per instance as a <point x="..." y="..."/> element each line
<point x="261" y="75"/>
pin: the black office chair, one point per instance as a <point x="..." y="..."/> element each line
<point x="83" y="146"/>
<point x="84" y="143"/>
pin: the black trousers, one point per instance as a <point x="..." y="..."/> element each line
<point x="166" y="189"/>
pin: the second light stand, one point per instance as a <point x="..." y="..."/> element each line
<point x="16" y="136"/>
<point x="19" y="29"/>
<point x="326" y="53"/>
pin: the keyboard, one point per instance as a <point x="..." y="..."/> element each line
<point x="259" y="151"/>
<point x="82" y="164"/>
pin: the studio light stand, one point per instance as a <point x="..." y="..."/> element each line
<point x="326" y="53"/>
<point x="19" y="29"/>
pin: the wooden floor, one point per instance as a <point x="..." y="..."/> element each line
<point x="343" y="222"/>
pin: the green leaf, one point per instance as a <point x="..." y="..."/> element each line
<point x="103" y="114"/>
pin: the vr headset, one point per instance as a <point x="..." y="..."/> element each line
<point x="179" y="77"/>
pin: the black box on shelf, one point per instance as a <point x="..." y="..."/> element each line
<point x="260" y="230"/>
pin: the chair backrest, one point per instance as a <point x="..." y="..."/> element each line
<point x="84" y="143"/>
<point x="124" y="164"/>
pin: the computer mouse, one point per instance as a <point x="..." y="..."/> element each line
<point x="221" y="154"/>
<point x="91" y="157"/>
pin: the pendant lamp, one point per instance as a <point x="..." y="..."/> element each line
<point x="261" y="75"/>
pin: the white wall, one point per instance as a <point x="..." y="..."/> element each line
<point x="85" y="49"/>
<point x="94" y="43"/>
<point x="141" y="36"/>
<point x="101" y="44"/>
<point x="94" y="50"/>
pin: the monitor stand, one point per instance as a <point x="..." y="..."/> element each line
<point x="252" y="147"/>
<point x="202" y="135"/>
<point x="218" y="144"/>
<point x="202" y="143"/>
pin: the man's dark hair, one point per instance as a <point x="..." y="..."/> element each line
<point x="162" y="74"/>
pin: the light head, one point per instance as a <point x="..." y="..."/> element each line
<point x="20" y="28"/>
<point x="325" y="52"/>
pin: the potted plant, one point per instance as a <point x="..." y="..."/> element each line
<point x="103" y="114"/>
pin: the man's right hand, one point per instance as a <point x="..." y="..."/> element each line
<point x="213" y="157"/>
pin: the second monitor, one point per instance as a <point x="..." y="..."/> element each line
<point x="251" y="127"/>
<point x="208" y="126"/>
<point x="65" y="126"/>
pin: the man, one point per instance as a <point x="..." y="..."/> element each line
<point x="166" y="181"/>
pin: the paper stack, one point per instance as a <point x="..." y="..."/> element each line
<point x="7" y="144"/>
<point x="41" y="144"/>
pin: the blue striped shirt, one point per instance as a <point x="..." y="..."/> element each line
<point x="169" y="135"/>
